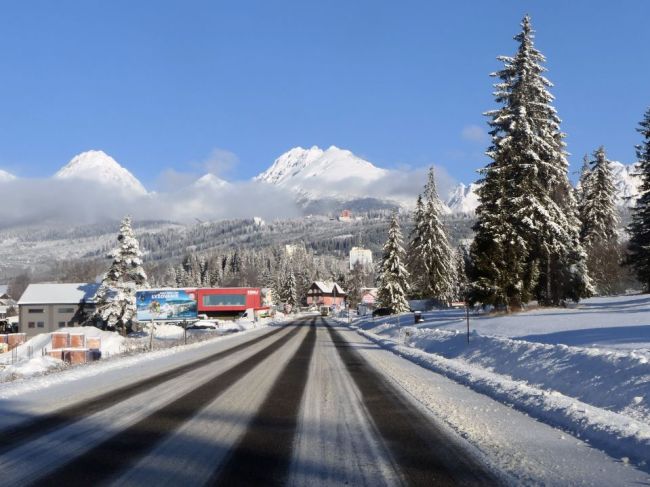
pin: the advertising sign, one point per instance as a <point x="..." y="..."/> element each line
<point x="166" y="305"/>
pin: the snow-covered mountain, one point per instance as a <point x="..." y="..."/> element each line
<point x="5" y="176"/>
<point x="97" y="166"/>
<point x="463" y="199"/>
<point x="627" y="184"/>
<point x="316" y="173"/>
<point x="210" y="181"/>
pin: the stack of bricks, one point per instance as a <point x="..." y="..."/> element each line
<point x="75" y="348"/>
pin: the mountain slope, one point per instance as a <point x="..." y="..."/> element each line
<point x="463" y="199"/>
<point x="99" y="167"/>
<point x="627" y="184"/>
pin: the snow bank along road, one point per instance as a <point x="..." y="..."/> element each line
<point x="293" y="405"/>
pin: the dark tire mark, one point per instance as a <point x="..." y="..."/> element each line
<point x="22" y="433"/>
<point x="118" y="453"/>
<point x="425" y="455"/>
<point x="263" y="454"/>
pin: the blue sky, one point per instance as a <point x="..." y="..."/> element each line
<point x="164" y="84"/>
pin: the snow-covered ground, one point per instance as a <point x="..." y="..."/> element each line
<point x="584" y="368"/>
<point x="31" y="359"/>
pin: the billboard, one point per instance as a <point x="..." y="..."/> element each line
<point x="166" y="305"/>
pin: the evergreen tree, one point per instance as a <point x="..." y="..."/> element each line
<point x="599" y="218"/>
<point x="115" y="299"/>
<point x="583" y="182"/>
<point x="598" y="206"/>
<point x="290" y="294"/>
<point x="527" y="234"/>
<point x="394" y="286"/>
<point x="639" y="247"/>
<point x="414" y="258"/>
<point x="435" y="253"/>
<point x="461" y="283"/>
<point x="355" y="284"/>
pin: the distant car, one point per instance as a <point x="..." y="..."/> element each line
<point x="324" y="310"/>
<point x="204" y="325"/>
<point x="382" y="312"/>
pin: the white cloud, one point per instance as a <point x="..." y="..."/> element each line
<point x="474" y="133"/>
<point x="219" y="162"/>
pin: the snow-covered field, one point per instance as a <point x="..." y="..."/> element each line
<point x="584" y="369"/>
<point x="32" y="361"/>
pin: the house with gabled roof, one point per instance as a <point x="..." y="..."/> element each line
<point x="44" y="308"/>
<point x="322" y="293"/>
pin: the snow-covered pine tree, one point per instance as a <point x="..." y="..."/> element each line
<point x="171" y="277"/>
<point x="115" y="299"/>
<point x="461" y="283"/>
<point x="583" y="182"/>
<point x="291" y="297"/>
<point x="414" y="259"/>
<point x="527" y="241"/>
<point x="435" y="253"/>
<point x="355" y="284"/>
<point x="599" y="219"/>
<point x="639" y="229"/>
<point x="598" y="206"/>
<point x="393" y="285"/>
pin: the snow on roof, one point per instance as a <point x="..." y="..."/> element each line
<point x="328" y="287"/>
<point x="59" y="293"/>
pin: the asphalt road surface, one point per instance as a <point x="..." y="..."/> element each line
<point x="297" y="405"/>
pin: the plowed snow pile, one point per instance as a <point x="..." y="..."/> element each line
<point x="599" y="390"/>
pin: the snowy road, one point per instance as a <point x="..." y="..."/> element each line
<point x="310" y="403"/>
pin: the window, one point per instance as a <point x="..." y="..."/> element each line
<point x="40" y="324"/>
<point x="61" y="324"/>
<point x="224" y="300"/>
<point x="66" y="310"/>
<point x="35" y="310"/>
<point x="31" y="324"/>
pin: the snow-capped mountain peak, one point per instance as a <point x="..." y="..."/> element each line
<point x="6" y="176"/>
<point x="626" y="182"/>
<point x="97" y="166"/>
<point x="210" y="181"/>
<point x="463" y="199"/>
<point x="315" y="172"/>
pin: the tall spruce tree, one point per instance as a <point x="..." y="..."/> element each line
<point x="599" y="219"/>
<point x="435" y="253"/>
<point x="415" y="259"/>
<point x="639" y="247"/>
<point x="527" y="233"/>
<point x="598" y="205"/>
<point x="393" y="279"/>
<point x="115" y="298"/>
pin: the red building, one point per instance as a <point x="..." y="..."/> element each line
<point x="229" y="301"/>
<point x="325" y="294"/>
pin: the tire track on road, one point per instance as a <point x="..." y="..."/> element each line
<point x="424" y="454"/>
<point x="22" y="433"/>
<point x="116" y="454"/>
<point x="263" y="455"/>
